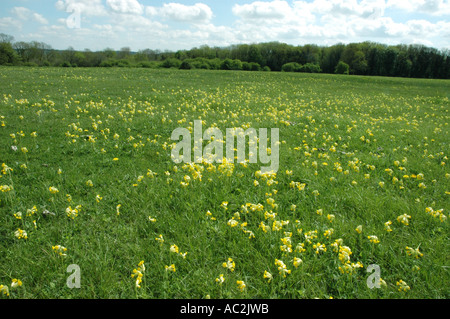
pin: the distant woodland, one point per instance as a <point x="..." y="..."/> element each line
<point x="366" y="58"/>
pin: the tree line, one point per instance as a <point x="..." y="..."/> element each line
<point x="365" y="58"/>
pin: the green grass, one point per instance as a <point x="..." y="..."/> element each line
<point x="322" y="119"/>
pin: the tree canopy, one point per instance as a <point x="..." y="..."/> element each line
<point x="366" y="58"/>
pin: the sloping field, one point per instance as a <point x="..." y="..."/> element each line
<point x="92" y="204"/>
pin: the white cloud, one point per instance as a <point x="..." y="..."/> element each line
<point x="39" y="18"/>
<point x="86" y="7"/>
<point x="120" y="23"/>
<point x="198" y="13"/>
<point x="274" y="10"/>
<point x="126" y="6"/>
<point x="21" y="12"/>
<point x="9" y="22"/>
<point x="344" y="8"/>
<point x="432" y="7"/>
<point x="26" y="14"/>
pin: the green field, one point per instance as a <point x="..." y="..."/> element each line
<point x="87" y="165"/>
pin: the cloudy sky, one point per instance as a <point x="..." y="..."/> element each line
<point x="184" y="24"/>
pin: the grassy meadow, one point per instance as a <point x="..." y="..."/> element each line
<point x="87" y="179"/>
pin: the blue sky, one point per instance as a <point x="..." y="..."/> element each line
<point x="184" y="24"/>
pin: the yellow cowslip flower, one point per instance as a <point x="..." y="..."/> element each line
<point x="232" y="222"/>
<point x="33" y="134"/>
<point x="24" y="150"/>
<point x="224" y="205"/>
<point x="250" y="233"/>
<point x="209" y="214"/>
<point x="286" y="248"/>
<point x="174" y="249"/>
<point x="381" y="184"/>
<point x="268" y="275"/>
<point x="319" y="248"/>
<point x="18" y="215"/>
<point x="387" y="226"/>
<point x="4" y="289"/>
<point x="241" y="285"/>
<point x="221" y="279"/>
<point x="98" y="198"/>
<point x="150" y="173"/>
<point x="160" y="239"/>
<point x="264" y="227"/>
<point x="328" y="233"/>
<point x="402" y="286"/>
<point x="344" y="254"/>
<point x="413" y="252"/>
<point x="300" y="248"/>
<point x="277" y="225"/>
<point x="270" y="215"/>
<point x="53" y="190"/>
<point x="359" y="229"/>
<point x="6" y="188"/>
<point x="21" y="234"/>
<point x="170" y="268"/>
<point x="72" y="213"/>
<point x="31" y="211"/>
<point x="118" y="209"/>
<point x="404" y="219"/>
<point x="60" y="250"/>
<point x="282" y="268"/>
<point x="183" y="255"/>
<point x="6" y="169"/>
<point x="183" y="184"/>
<point x="422" y="186"/>
<point x="337" y="244"/>
<point x="373" y="239"/>
<point x="16" y="283"/>
<point x="330" y="217"/>
<point x="270" y="201"/>
<point x="297" y="262"/>
<point x="357" y="265"/>
<point x="139" y="273"/>
<point x="229" y="264"/>
<point x="310" y="235"/>
<point x="89" y="183"/>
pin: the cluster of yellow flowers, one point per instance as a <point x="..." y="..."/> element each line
<point x="73" y="212"/>
<point x="282" y="268"/>
<point x="15" y="283"/>
<point x="138" y="273"/>
<point x="60" y="250"/>
<point x="413" y="252"/>
<point x="174" y="249"/>
<point x="229" y="264"/>
<point x="344" y="255"/>
<point x="439" y="213"/>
